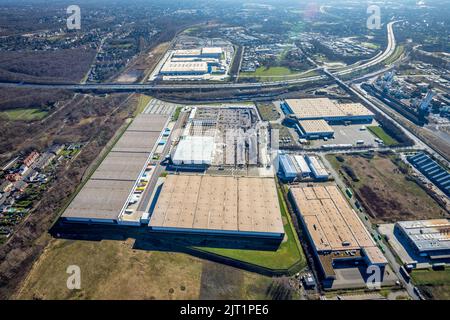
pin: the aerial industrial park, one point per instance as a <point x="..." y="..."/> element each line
<point x="211" y="151"/>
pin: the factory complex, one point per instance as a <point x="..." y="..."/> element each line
<point x="334" y="230"/>
<point x="129" y="189"/>
<point x="205" y="63"/>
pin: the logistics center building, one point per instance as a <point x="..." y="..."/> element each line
<point x="333" y="228"/>
<point x="326" y="109"/>
<point x="104" y="197"/>
<point x="218" y="205"/>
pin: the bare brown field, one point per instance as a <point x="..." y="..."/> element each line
<point x="143" y="65"/>
<point x="386" y="192"/>
<point x="114" y="270"/>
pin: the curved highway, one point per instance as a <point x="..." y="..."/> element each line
<point x="169" y="87"/>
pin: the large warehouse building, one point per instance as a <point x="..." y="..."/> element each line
<point x="218" y="205"/>
<point x="104" y="197"/>
<point x="328" y="110"/>
<point x="428" y="238"/>
<point x="210" y="63"/>
<point x="333" y="228"/>
<point x="315" y="129"/>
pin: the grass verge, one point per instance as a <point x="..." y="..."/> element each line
<point x="380" y="133"/>
<point x="289" y="255"/>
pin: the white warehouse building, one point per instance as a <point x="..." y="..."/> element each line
<point x="196" y="150"/>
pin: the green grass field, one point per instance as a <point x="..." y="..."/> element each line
<point x="143" y="100"/>
<point x="176" y="114"/>
<point x="431" y="277"/>
<point x="288" y="254"/>
<point x="268" y="72"/>
<point x="434" y="284"/>
<point x="380" y="133"/>
<point x="394" y="57"/>
<point x="23" y="114"/>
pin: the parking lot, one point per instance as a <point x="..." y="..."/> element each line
<point x="349" y="134"/>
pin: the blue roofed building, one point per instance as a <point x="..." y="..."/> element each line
<point x="434" y="172"/>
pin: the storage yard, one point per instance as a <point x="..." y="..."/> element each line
<point x="218" y="205"/>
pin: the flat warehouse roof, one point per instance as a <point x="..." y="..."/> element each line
<point x="137" y="141"/>
<point x="148" y="122"/>
<point x="185" y="67"/>
<point x="428" y="235"/>
<point x="332" y="223"/>
<point x="315" y="126"/>
<point x="319" y="108"/>
<point x="187" y="52"/>
<point x="214" y="50"/>
<point x="355" y="109"/>
<point x="218" y="203"/>
<point x="120" y="166"/>
<point x="99" y="199"/>
<point x="106" y="192"/>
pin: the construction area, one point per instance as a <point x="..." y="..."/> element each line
<point x="228" y="135"/>
<point x="240" y="206"/>
<point x="336" y="233"/>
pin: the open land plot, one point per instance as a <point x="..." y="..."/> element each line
<point x="384" y="190"/>
<point x="114" y="270"/>
<point x="277" y="73"/>
<point x="268" y="111"/>
<point x="434" y="284"/>
<point x="268" y="72"/>
<point x="144" y="64"/>
<point x="289" y="254"/>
